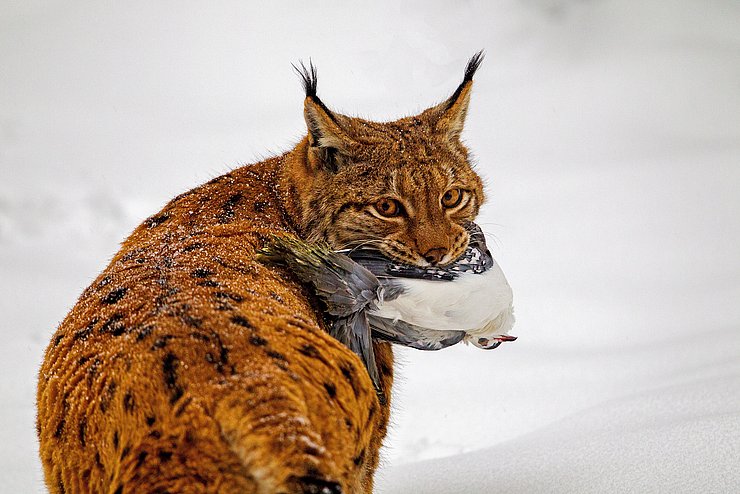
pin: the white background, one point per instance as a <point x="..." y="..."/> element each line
<point x="608" y="133"/>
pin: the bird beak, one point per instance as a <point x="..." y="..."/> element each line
<point x="505" y="337"/>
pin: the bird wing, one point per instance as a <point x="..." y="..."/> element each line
<point x="383" y="267"/>
<point x="344" y="285"/>
<point x="406" y="334"/>
<point x="354" y="332"/>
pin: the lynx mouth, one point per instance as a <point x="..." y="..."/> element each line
<point x="396" y="256"/>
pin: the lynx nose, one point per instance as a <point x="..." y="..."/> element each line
<point x="433" y="256"/>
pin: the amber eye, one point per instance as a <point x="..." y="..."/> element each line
<point x="452" y="198"/>
<point x="388" y="207"/>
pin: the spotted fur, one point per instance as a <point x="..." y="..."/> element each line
<point x="188" y="366"/>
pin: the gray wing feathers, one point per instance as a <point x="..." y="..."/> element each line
<point x="346" y="287"/>
<point x="354" y="332"/>
<point x="417" y="337"/>
<point x="343" y="284"/>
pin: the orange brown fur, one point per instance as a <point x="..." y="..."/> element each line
<point x="188" y="366"/>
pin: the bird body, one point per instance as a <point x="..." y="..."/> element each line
<point x="469" y="303"/>
<point x="368" y="295"/>
<point x="471" y="295"/>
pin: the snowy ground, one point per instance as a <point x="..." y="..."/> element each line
<point x="609" y="135"/>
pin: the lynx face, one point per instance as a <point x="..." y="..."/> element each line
<point x="405" y="187"/>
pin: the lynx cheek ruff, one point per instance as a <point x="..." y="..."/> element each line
<point x="367" y="295"/>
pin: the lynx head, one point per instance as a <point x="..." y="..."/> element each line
<point x="405" y="187"/>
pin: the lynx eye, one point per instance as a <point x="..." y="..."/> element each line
<point x="452" y="198"/>
<point x="388" y="207"/>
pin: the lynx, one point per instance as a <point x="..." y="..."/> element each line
<point x="189" y="366"/>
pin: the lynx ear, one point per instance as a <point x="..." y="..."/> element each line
<point x="450" y="114"/>
<point x="327" y="137"/>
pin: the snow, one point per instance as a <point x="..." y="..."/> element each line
<point x="608" y="133"/>
<point x="681" y="438"/>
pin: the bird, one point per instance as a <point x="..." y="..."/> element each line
<point x="367" y="295"/>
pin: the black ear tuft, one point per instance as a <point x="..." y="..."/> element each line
<point x="473" y="65"/>
<point x="470" y="70"/>
<point x="308" y="75"/>
<point x="310" y="80"/>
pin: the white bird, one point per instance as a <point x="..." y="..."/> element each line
<point x="369" y="296"/>
<point x="471" y="295"/>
